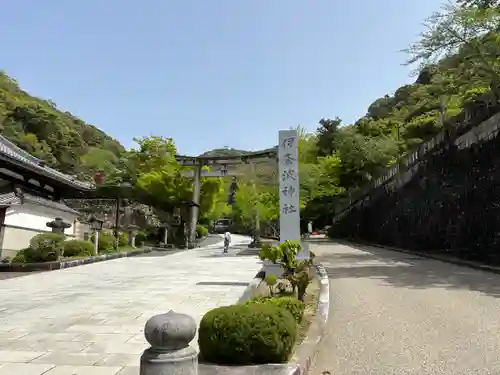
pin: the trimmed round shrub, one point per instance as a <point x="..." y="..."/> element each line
<point x="73" y="248"/>
<point x="20" y="256"/>
<point x="247" y="334"/>
<point x="46" y="247"/>
<point x="27" y="255"/>
<point x="201" y="231"/>
<point x="289" y="303"/>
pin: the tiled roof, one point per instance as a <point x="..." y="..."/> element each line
<point x="22" y="157"/>
<point x="50" y="204"/>
<point x="9" y="199"/>
<point x="12" y="199"/>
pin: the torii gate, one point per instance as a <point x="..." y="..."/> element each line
<point x="220" y="164"/>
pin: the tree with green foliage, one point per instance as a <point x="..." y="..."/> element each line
<point x="327" y="133"/>
<point x="464" y="40"/>
<point x="157" y="173"/>
<point x="251" y="198"/>
<point x="214" y="199"/>
<point x="39" y="127"/>
<point x="98" y="160"/>
<point x="478" y="3"/>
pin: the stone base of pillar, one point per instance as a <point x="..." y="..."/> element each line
<point x="131" y="238"/>
<point x="176" y="362"/>
<point x="170" y="354"/>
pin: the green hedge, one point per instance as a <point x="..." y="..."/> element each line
<point x="22" y="256"/>
<point x="290" y="303"/>
<point x="247" y="334"/>
<point x="106" y="242"/>
<point x="123" y="239"/>
<point x="46" y="247"/>
<point x="201" y="231"/>
<point x="77" y="248"/>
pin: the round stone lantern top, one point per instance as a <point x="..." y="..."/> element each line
<point x="170" y="331"/>
<point x="58" y="223"/>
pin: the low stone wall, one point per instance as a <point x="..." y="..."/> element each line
<point x="60" y="264"/>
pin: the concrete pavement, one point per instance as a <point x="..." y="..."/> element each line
<point x="394" y="313"/>
<point x="89" y="319"/>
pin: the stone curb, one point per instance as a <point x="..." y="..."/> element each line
<point x="61" y="264"/>
<point x="306" y="350"/>
<point x="441" y="258"/>
<point x="249" y="291"/>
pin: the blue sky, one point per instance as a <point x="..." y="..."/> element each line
<point x="209" y="73"/>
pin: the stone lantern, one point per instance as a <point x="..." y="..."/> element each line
<point x="96" y="226"/>
<point x="58" y="225"/>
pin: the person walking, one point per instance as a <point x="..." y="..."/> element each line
<point x="227" y="241"/>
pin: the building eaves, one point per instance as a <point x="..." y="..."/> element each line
<point x="9" y="199"/>
<point x="9" y="149"/>
<point x="59" y="206"/>
<point x="12" y="199"/>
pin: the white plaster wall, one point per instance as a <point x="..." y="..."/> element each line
<point x="23" y="222"/>
<point x="81" y="229"/>
<point x="35" y="217"/>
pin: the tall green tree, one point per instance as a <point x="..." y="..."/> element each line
<point x="478" y="3"/>
<point x="249" y="199"/>
<point x="214" y="199"/>
<point x="97" y="160"/>
<point x="327" y="134"/>
<point x="461" y="37"/>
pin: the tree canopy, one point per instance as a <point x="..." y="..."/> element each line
<point x="456" y="60"/>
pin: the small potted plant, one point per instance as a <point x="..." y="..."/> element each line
<point x="279" y="258"/>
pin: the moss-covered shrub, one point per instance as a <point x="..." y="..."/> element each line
<point x="201" y="231"/>
<point x="27" y="255"/>
<point x="247" y="334"/>
<point x="73" y="248"/>
<point x="123" y="239"/>
<point x="46" y="247"/>
<point x="290" y="303"/>
<point x="21" y="256"/>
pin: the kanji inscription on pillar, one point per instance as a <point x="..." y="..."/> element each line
<point x="288" y="153"/>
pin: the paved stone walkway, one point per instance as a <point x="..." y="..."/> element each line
<point x="88" y="320"/>
<point x="399" y="314"/>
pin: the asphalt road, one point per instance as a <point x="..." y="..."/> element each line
<point x="394" y="313"/>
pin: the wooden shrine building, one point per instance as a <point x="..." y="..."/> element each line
<point x="30" y="196"/>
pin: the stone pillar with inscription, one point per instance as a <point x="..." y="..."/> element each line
<point x="288" y="155"/>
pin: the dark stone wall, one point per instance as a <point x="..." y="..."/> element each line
<point x="450" y="205"/>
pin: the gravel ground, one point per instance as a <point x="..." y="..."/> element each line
<point x="394" y="313"/>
